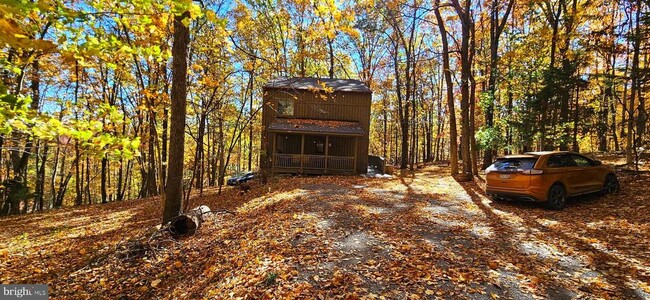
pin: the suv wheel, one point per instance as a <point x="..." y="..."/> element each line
<point x="556" y="197"/>
<point x="497" y="198"/>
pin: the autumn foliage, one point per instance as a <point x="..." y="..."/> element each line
<point x="420" y="236"/>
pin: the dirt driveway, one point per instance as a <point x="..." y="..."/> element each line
<point x="420" y="236"/>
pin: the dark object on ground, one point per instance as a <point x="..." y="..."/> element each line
<point x="188" y="223"/>
<point x="240" y="178"/>
<point x="244" y="188"/>
<point x="13" y="191"/>
<point x="378" y="163"/>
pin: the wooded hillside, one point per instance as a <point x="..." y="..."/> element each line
<point x="88" y="89"/>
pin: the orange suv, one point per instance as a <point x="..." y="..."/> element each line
<point x="548" y="177"/>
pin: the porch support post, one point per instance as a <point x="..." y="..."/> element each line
<point x="356" y="153"/>
<point x="327" y="146"/>
<point x="302" y="152"/>
<point x="274" y="137"/>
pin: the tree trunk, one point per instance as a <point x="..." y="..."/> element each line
<point x="496" y="28"/>
<point x="331" y="52"/>
<point x="78" y="182"/>
<point x="453" y="135"/>
<point x="87" y="180"/>
<point x="174" y="189"/>
<point x="41" y="157"/>
<point x="403" y="108"/>
<point x="466" y="67"/>
<point x="104" y="175"/>
<point x="165" y="125"/>
<point x="250" y="127"/>
<point x="472" y="104"/>
<point x="576" y="112"/>
<point x="40" y="178"/>
<point x="631" y="141"/>
<point x="385" y="125"/>
<point x="553" y="19"/>
<point x="221" y="154"/>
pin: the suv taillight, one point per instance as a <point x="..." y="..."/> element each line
<point x="533" y="172"/>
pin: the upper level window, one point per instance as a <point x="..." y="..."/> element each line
<point x="285" y="107"/>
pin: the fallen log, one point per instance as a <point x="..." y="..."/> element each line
<point x="188" y="223"/>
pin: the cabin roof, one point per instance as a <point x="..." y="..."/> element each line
<point x="316" y="126"/>
<point x="311" y="83"/>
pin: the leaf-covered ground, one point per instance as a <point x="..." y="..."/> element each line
<point x="418" y="236"/>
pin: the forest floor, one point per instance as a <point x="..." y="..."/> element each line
<point x="422" y="235"/>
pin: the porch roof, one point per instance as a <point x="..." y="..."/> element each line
<point x="316" y="126"/>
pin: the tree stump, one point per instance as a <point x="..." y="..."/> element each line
<point x="188" y="223"/>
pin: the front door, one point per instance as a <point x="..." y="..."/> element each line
<point x="319" y="145"/>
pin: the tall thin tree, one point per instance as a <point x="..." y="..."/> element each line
<point x="174" y="189"/>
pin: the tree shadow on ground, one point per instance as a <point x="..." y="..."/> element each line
<point x="601" y="261"/>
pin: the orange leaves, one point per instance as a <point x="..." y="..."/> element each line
<point x="493" y="265"/>
<point x="155" y="283"/>
<point x="312" y="237"/>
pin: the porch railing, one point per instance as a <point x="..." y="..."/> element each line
<point x="340" y="163"/>
<point x="298" y="161"/>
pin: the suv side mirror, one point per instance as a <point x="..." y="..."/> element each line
<point x="596" y="163"/>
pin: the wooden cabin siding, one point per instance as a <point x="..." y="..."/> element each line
<point x="308" y="104"/>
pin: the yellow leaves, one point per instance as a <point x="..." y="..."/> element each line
<point x="4" y="253"/>
<point x="11" y="33"/>
<point x="82" y="251"/>
<point x="178" y="264"/>
<point x="9" y="27"/>
<point x="211" y="16"/>
<point x="249" y="66"/>
<point x="195" y="10"/>
<point x="353" y="32"/>
<point x="429" y="292"/>
<point x="331" y="34"/>
<point x="197" y="68"/>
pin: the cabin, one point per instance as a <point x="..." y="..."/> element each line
<point x="315" y="126"/>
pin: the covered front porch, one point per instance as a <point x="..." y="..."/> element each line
<point x="314" y="154"/>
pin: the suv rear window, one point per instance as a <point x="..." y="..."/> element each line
<point x="513" y="164"/>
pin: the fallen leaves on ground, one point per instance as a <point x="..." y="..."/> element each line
<point x="415" y="237"/>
